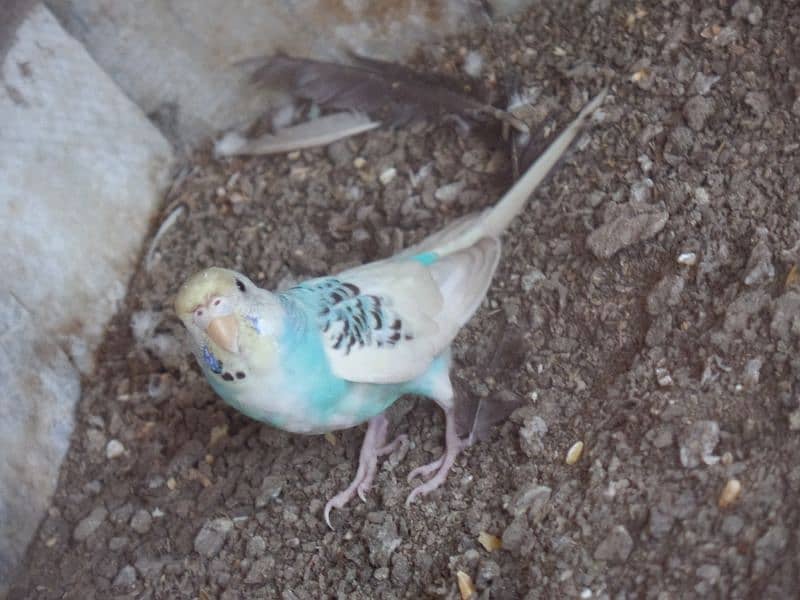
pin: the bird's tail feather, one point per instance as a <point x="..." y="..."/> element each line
<point x="493" y="221"/>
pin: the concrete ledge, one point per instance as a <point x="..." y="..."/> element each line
<point x="40" y="388"/>
<point x="81" y="173"/>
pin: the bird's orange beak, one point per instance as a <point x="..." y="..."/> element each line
<point x="224" y="332"/>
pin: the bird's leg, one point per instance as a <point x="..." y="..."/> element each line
<point x="373" y="446"/>
<point x="453" y="445"/>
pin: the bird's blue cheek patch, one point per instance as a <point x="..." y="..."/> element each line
<point x="212" y="362"/>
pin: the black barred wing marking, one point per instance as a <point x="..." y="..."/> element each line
<point x="349" y="319"/>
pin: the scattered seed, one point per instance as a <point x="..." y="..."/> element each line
<point x="217" y="433"/>
<point x="793" y="278"/>
<point x="489" y="542"/>
<point x="730" y="493"/>
<point x="331" y="438"/>
<point x="359" y="162"/>
<point x="171" y="483"/>
<point x="196" y="475"/>
<point x="574" y="453"/>
<point x="465" y="585"/>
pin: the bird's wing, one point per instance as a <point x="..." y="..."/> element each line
<point x="386" y="322"/>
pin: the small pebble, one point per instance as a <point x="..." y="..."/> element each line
<point x="625" y="230"/>
<point x="114" y="449"/>
<point x="702" y="83"/>
<point x="641" y="190"/>
<point x="388" y="176"/>
<point x="616" y="547"/>
<point x="256" y="546"/>
<point x="473" y="63"/>
<point x="530" y="279"/>
<point x="116" y="544"/>
<point x="93" y="487"/>
<point x="794" y="420"/>
<point x="752" y="371"/>
<point x="126" y="576"/>
<point x="663" y="377"/>
<point x="448" y="193"/>
<point x="141" y="521"/>
<point x="89" y="524"/>
<point x="212" y="536"/>
<point x="697" y="110"/>
<point x="701" y="195"/>
<point x="732" y="525"/>
<point x="687" y="258"/>
<point x="697" y="444"/>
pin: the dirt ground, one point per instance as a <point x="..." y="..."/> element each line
<point x="647" y="304"/>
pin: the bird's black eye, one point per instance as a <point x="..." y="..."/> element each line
<point x="240" y="285"/>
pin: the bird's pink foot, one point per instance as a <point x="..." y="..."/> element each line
<point x="439" y="468"/>
<point x="374" y="445"/>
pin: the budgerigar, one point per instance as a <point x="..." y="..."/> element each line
<point x="334" y="352"/>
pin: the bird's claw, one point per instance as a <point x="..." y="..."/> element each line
<point x="371" y="449"/>
<point x="338" y="501"/>
<point x="362" y="491"/>
<point x="440" y="467"/>
<point x="426" y="471"/>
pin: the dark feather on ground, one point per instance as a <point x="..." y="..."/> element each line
<point x="386" y="91"/>
<point x="476" y="416"/>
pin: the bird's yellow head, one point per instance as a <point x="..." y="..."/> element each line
<point x="209" y="304"/>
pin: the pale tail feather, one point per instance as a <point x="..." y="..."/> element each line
<point x="493" y="221"/>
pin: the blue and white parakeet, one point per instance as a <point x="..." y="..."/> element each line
<point x="337" y="351"/>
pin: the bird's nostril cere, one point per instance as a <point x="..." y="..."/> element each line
<point x="216" y="302"/>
